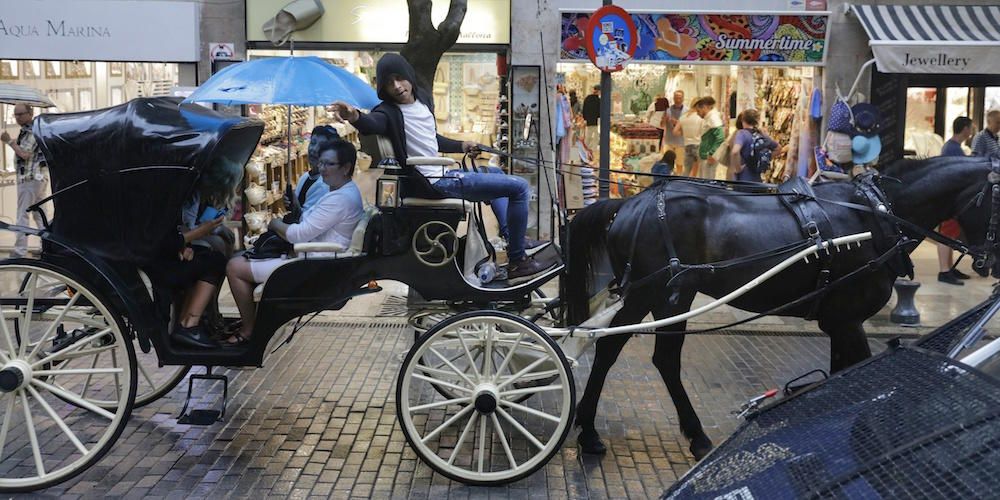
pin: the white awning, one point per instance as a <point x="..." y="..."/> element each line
<point x="933" y="38"/>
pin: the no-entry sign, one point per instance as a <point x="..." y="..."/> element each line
<point x="611" y="38"/>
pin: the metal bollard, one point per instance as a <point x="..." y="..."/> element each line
<point x="905" y="312"/>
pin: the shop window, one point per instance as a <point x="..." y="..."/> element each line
<point x="919" y="136"/>
<point x="957" y="103"/>
<point x="992" y="102"/>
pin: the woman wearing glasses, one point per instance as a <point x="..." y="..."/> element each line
<point x="330" y="220"/>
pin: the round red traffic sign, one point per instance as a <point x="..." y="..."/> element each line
<point x="611" y="38"/>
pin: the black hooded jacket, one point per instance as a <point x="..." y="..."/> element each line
<point x="387" y="120"/>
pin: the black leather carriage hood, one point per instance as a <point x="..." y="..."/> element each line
<point x="393" y="63"/>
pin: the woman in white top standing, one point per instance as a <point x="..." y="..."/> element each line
<point x="331" y="220"/>
<point x="690" y="127"/>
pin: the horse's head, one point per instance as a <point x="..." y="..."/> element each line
<point x="980" y="222"/>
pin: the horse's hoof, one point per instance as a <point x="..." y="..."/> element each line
<point x="700" y="447"/>
<point x="590" y="442"/>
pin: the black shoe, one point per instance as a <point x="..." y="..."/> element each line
<point x="590" y="443"/>
<point x="947" y="277"/>
<point x="194" y="336"/>
<point x="525" y="269"/>
<point x="959" y="274"/>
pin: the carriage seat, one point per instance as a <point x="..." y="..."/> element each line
<point x="446" y="203"/>
<point x="355" y="249"/>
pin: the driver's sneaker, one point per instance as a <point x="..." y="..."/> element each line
<point x="525" y="269"/>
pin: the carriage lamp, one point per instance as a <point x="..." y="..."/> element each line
<point x="387" y="186"/>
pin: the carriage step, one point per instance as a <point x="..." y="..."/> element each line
<point x="202" y="416"/>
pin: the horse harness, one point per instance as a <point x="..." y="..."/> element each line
<point x="799" y="199"/>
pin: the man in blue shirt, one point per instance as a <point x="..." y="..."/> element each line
<point x="961" y="131"/>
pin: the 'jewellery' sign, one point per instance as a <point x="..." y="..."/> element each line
<point x="936" y="58"/>
<point x="105" y="30"/>
<point x="713" y="38"/>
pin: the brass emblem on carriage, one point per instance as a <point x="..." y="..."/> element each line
<point x="435" y="244"/>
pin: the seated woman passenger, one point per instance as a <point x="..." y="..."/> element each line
<point x="310" y="187"/>
<point x="187" y="263"/>
<point x="332" y="220"/>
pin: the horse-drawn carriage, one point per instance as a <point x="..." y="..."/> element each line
<point x="483" y="397"/>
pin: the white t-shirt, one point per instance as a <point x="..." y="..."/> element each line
<point x="331" y="220"/>
<point x="421" y="137"/>
<point x="713" y="119"/>
<point x="691" y="126"/>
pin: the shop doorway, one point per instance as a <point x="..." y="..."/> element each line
<point x="931" y="110"/>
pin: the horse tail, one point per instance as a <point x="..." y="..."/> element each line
<point x="588" y="238"/>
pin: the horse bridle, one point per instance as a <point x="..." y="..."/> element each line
<point x="991" y="248"/>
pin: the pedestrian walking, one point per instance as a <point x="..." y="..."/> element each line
<point x="986" y="143"/>
<point x="592" y="117"/>
<point x="689" y="126"/>
<point x="712" y="136"/>
<point x="962" y="130"/>
<point x="31" y="180"/>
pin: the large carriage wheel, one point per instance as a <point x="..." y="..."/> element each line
<point x="152" y="380"/>
<point x="50" y="427"/>
<point x="487" y="433"/>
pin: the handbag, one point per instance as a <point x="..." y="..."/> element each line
<point x="268" y="246"/>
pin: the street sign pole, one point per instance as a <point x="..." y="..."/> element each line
<point x="604" y="174"/>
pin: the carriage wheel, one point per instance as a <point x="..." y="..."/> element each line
<point x="486" y="434"/>
<point x="152" y="380"/>
<point x="50" y="427"/>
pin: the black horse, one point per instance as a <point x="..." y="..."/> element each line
<point x="708" y="223"/>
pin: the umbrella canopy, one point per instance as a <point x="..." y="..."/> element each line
<point x="298" y="81"/>
<point x="11" y="93"/>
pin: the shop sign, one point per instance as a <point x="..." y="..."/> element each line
<point x="936" y="58"/>
<point x="100" y="30"/>
<point x="221" y="51"/>
<point x="610" y="38"/>
<point x="781" y="39"/>
<point x="487" y="22"/>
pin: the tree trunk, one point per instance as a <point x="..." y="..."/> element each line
<point x="426" y="44"/>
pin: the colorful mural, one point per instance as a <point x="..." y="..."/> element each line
<point x="694" y="38"/>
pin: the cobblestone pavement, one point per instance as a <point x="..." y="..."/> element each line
<point x="319" y="420"/>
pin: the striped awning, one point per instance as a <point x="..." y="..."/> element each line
<point x="933" y="38"/>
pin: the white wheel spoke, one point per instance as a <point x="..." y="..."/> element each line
<point x="62" y="425"/>
<point x="521" y="373"/>
<point x="488" y="357"/>
<point x="83" y="353"/>
<point x="531" y="390"/>
<point x="86" y="385"/>
<point x="532" y="411"/>
<point x="74" y="399"/>
<point x="434" y="371"/>
<point x="32" y="436"/>
<point x="6" y="423"/>
<point x="6" y="335"/>
<point x="520" y="428"/>
<point x="79" y="343"/>
<point x="78" y="371"/>
<point x="439" y="404"/>
<point x="441" y="383"/>
<point x="461" y="438"/>
<point x="145" y="375"/>
<point x="26" y="334"/>
<point x="453" y="368"/>
<point x="55" y="324"/>
<point x="503" y="441"/>
<point x="114" y="363"/>
<point x="482" y="443"/>
<point x="465" y="348"/>
<point x="507" y="358"/>
<point x="446" y="424"/>
<point x="537" y="376"/>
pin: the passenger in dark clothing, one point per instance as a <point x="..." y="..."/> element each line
<point x="406" y="117"/>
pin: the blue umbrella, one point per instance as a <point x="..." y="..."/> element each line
<point x="297" y="81"/>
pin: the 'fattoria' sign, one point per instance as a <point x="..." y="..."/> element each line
<point x="713" y="38"/>
<point x="102" y="30"/>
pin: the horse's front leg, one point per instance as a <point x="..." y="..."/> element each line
<point x="605" y="354"/>
<point x="848" y="343"/>
<point x="667" y="359"/>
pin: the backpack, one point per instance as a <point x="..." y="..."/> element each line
<point x="759" y="160"/>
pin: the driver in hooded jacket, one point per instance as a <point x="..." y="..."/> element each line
<point x="406" y="117"/>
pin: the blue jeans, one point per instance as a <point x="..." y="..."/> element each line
<point x="507" y="194"/>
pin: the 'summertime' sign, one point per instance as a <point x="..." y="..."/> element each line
<point x="712" y="38"/>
